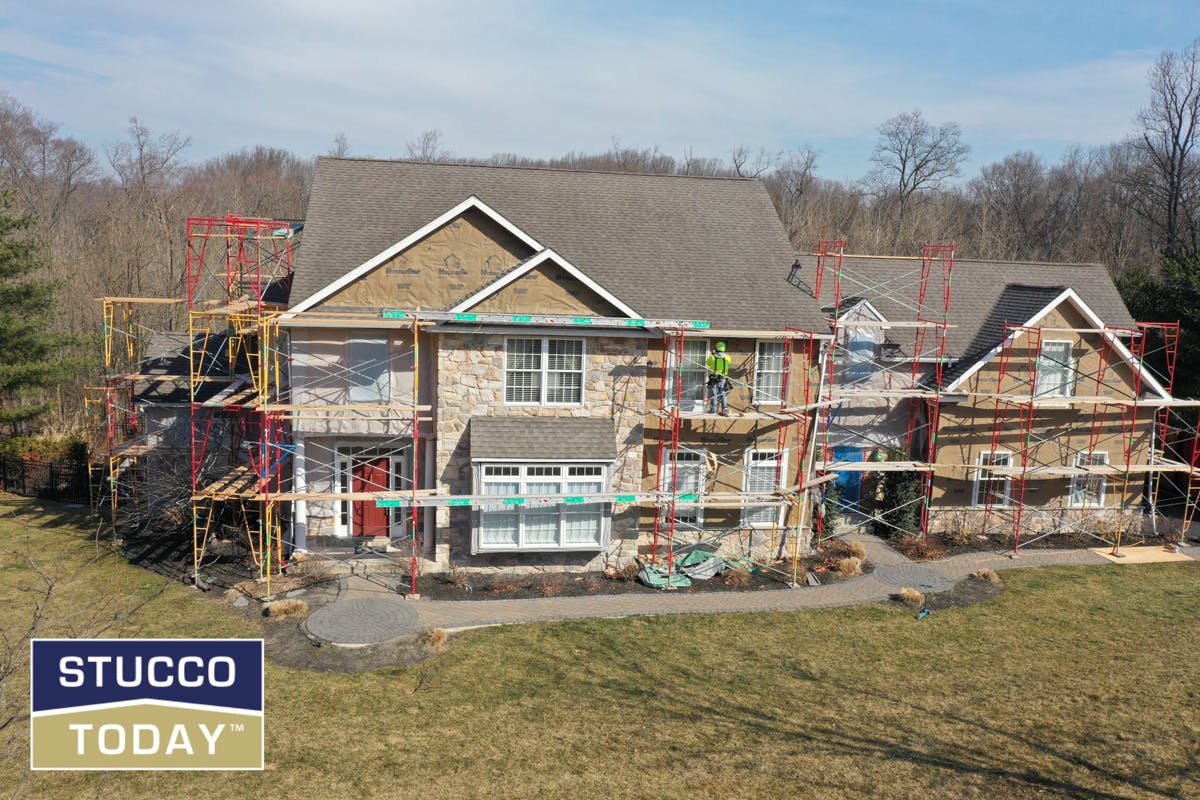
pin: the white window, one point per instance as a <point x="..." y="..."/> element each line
<point x="1055" y="369"/>
<point x="543" y="371"/>
<point x="1087" y="491"/>
<point x="693" y="374"/>
<point x="859" y="362"/>
<point x="993" y="488"/>
<point x="768" y="373"/>
<point x="764" y="470"/>
<point x="367" y="368"/>
<point x="687" y="469"/>
<point x="513" y="524"/>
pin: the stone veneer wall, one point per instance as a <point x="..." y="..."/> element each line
<point x="470" y="376"/>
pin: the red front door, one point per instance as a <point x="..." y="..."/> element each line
<point x="371" y="475"/>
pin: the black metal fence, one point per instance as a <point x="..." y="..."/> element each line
<point x="64" y="480"/>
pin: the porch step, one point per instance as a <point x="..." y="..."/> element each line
<point x="359" y="565"/>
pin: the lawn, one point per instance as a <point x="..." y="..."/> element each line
<point x="1078" y="682"/>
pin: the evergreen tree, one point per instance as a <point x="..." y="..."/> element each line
<point x="1171" y="295"/>
<point x="30" y="348"/>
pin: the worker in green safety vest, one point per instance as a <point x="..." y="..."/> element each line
<point x="718" y="380"/>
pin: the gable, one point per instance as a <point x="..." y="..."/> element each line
<point x="1067" y="319"/>
<point x="459" y="258"/>
<point x="547" y="289"/>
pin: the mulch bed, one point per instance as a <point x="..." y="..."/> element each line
<point x="967" y="592"/>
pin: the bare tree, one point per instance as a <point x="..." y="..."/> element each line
<point x="748" y="163"/>
<point x="913" y="155"/>
<point x="341" y="146"/>
<point x="1170" y="127"/>
<point x="428" y="147"/>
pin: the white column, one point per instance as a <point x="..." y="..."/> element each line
<point x="299" y="507"/>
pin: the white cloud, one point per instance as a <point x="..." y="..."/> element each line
<point x="529" y="77"/>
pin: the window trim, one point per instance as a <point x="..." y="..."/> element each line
<point x="1069" y="367"/>
<point x="385" y="396"/>
<point x="699" y="457"/>
<point x="478" y="478"/>
<point x="545" y="372"/>
<point x="747" y="462"/>
<point x="978" y="480"/>
<point x="1101" y="479"/>
<point x="756" y="399"/>
<point x="669" y="388"/>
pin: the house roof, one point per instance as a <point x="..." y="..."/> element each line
<point x="574" y="438"/>
<point x="167" y="355"/>
<point x="984" y="295"/>
<point x="668" y="246"/>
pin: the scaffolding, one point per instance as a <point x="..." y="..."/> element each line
<point x="1156" y="439"/>
<point x="878" y="376"/>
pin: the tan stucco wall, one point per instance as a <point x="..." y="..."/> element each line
<point x="439" y="271"/>
<point x="547" y="289"/>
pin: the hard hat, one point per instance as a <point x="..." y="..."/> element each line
<point x="720" y="347"/>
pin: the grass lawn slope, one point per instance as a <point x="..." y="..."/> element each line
<point x="1075" y="682"/>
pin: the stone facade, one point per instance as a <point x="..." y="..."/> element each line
<point x="470" y="381"/>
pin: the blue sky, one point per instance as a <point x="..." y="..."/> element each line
<point x="544" y="78"/>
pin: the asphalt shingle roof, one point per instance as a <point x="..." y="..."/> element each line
<point x="983" y="295"/>
<point x="543" y="438"/>
<point x="668" y="246"/>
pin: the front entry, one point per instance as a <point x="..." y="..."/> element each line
<point x="850" y="483"/>
<point x="373" y="475"/>
<point x="363" y="470"/>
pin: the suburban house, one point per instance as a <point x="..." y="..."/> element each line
<point x="520" y="408"/>
<point x="452" y="333"/>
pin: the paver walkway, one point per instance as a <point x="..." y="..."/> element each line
<point x="341" y="621"/>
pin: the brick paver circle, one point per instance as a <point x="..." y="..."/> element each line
<point x="363" y="620"/>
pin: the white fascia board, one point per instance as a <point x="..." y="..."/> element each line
<point x="532" y="264"/>
<point x="861" y="304"/>
<point x="1092" y="317"/>
<point x="471" y="202"/>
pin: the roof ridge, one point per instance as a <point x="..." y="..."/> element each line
<point x="734" y="178"/>
<point x="973" y="260"/>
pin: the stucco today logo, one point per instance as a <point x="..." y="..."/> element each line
<point x="116" y="704"/>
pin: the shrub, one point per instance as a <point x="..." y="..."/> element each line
<point x="901" y="514"/>
<point x="457" y="578"/>
<point x="858" y="551"/>
<point x="911" y="597"/>
<point x="288" y="607"/>
<point x="849" y="567"/>
<point x="986" y="575"/>
<point x="548" y="586"/>
<point x="958" y="530"/>
<point x="737" y="578"/>
<point x="918" y="549"/>
<point x="435" y="640"/>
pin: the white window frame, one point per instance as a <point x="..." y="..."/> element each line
<point x="853" y="360"/>
<point x="1077" y="492"/>
<point x="545" y="371"/>
<point x="691" y="372"/>
<point x="346" y="453"/>
<point x="381" y="391"/>
<point x="982" y="476"/>
<point x="523" y="478"/>
<point x="759" y="394"/>
<point x="1065" y="387"/>
<point x="694" y="459"/>
<point x="777" y="460"/>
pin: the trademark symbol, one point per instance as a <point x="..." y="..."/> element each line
<point x="237" y="727"/>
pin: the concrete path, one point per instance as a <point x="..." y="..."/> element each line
<point x="365" y="612"/>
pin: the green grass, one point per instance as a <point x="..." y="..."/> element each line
<point x="1080" y="682"/>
